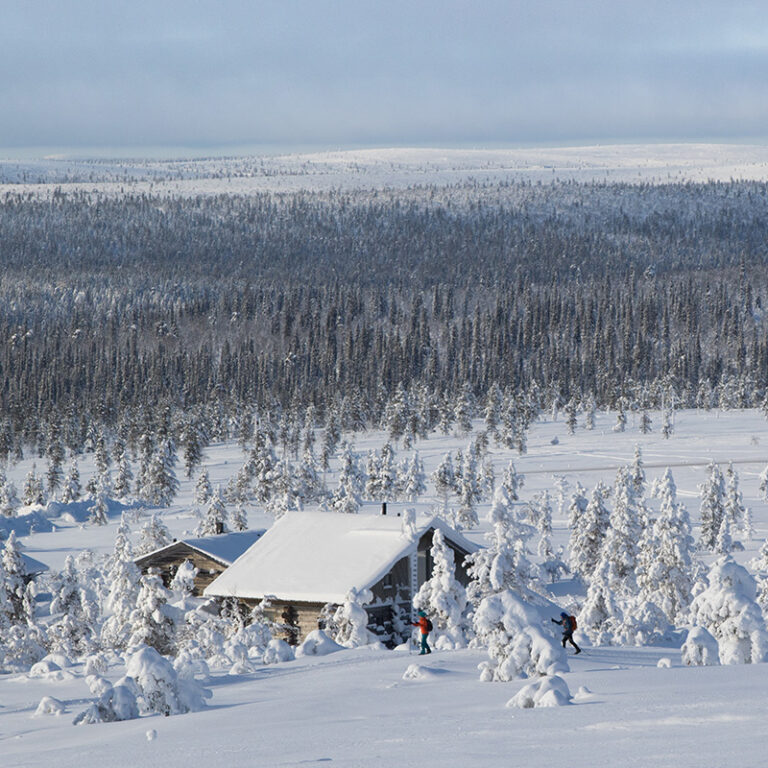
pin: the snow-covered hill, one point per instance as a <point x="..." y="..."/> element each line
<point x="395" y="168"/>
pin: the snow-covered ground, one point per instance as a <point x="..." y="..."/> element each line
<point x="394" y="168"/>
<point x="631" y="706"/>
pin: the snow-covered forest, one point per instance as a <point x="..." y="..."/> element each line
<point x="570" y="375"/>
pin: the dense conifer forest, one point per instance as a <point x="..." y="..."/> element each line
<point x="617" y="294"/>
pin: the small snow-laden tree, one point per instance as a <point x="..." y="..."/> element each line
<point x="193" y="440"/>
<point x="502" y="564"/>
<point x="284" y="497"/>
<point x="160" y="686"/>
<point x="764" y="484"/>
<point x="712" y="509"/>
<point x="239" y="518"/>
<point x="625" y="528"/>
<point x="589" y="413"/>
<point x="161" y="484"/>
<point x="512" y="482"/>
<point x="123" y="477"/>
<point x="183" y="583"/>
<point x="587" y="541"/>
<point x="97" y="511"/>
<point x="387" y="473"/>
<point x="214" y="521"/>
<point x="153" y="620"/>
<point x="203" y="488"/>
<point x="346" y="497"/>
<point x="351" y="474"/>
<point x="562" y="486"/>
<point x="154" y="535"/>
<point x="464" y="410"/>
<point x="12" y="585"/>
<point x="621" y="415"/>
<point x="733" y="506"/>
<point x="71" y="489"/>
<point x="637" y="473"/>
<point x="646" y="423"/>
<point x="413" y="482"/>
<point x="700" y="649"/>
<point x="492" y="410"/>
<point x="518" y="646"/>
<point x="444" y="479"/>
<point x="577" y="518"/>
<point x="396" y="413"/>
<point x="728" y="609"/>
<point x="351" y="620"/>
<point x="724" y="541"/>
<point x="372" y="481"/>
<point x="443" y="598"/>
<point x="601" y="612"/>
<point x="469" y="492"/>
<point x="9" y="501"/>
<point x="74" y="632"/>
<point x="667" y="423"/>
<point x="666" y="561"/>
<point x="571" y="410"/>
<point x="33" y="492"/>
<point x="123" y="580"/>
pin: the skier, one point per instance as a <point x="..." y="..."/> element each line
<point x="569" y="626"/>
<point x="425" y="625"/>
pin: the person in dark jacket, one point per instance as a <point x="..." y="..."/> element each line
<point x="424" y="627"/>
<point x="568" y="628"/>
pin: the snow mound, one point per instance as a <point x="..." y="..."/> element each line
<point x="548" y="692"/>
<point x="417" y="672"/>
<point x="49" y="670"/>
<point x="700" y="649"/>
<point x="116" y="703"/>
<point x="28" y="520"/>
<point x="664" y="663"/>
<point x="278" y="650"/>
<point x="50" y="706"/>
<point x="97" y="685"/>
<point x="151" y="734"/>
<point x="317" y="643"/>
<point x="161" y="688"/>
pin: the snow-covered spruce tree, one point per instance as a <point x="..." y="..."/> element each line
<point x="464" y="410"/>
<point x="646" y="423"/>
<point x="152" y="621"/>
<point x="517" y="646"/>
<point x="626" y="524"/>
<point x="396" y="413"/>
<point x="413" y="482"/>
<point x="183" y="583"/>
<point x="444" y="480"/>
<point x="33" y="492"/>
<point x="621" y="416"/>
<point x="55" y="453"/>
<point x="468" y="492"/>
<point x="123" y="481"/>
<point x="728" y="609"/>
<point x="443" y="598"/>
<point x="571" y="409"/>
<point x="512" y="482"/>
<point x="346" y="498"/>
<point x="239" y="518"/>
<point x="161" y="484"/>
<point x="587" y="542"/>
<point x="123" y="579"/>
<point x="666" y="562"/>
<point x="764" y="484"/>
<point x="351" y="620"/>
<point x="74" y="632"/>
<point x="387" y="473"/>
<point x="71" y="489"/>
<point x="12" y="586"/>
<point x="203" y="488"/>
<point x="98" y="509"/>
<point x="577" y="517"/>
<point x="589" y="413"/>
<point x="712" y="508"/>
<point x="700" y="648"/>
<point x="9" y="501"/>
<point x="193" y="440"/>
<point x="637" y="473"/>
<point x="492" y="410"/>
<point x="733" y="507"/>
<point x="331" y="436"/>
<point x="154" y="535"/>
<point x="601" y="612"/>
<point x="667" y="423"/>
<point x="502" y="564"/>
<point x="214" y="522"/>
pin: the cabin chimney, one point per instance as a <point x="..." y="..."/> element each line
<point x="383" y="507"/>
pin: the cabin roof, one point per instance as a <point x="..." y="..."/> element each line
<point x="225" y="548"/>
<point x="319" y="556"/>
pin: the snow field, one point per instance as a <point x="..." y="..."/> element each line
<point x="354" y="707"/>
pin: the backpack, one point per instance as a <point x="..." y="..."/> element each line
<point x="429" y="625"/>
<point x="574" y="625"/>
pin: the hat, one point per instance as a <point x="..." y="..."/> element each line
<point x="564" y="614"/>
<point x="421" y="613"/>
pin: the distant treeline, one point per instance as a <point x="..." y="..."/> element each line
<point x="570" y="291"/>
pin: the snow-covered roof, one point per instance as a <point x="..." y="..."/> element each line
<point x="319" y="556"/>
<point x="225" y="548"/>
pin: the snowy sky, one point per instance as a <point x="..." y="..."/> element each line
<point x="351" y="72"/>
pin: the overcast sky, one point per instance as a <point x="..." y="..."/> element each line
<point x="82" y="73"/>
